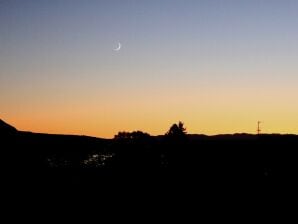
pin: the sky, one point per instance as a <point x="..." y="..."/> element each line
<point x="217" y="65"/>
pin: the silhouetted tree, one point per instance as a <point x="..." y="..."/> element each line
<point x="175" y="141"/>
<point x="177" y="131"/>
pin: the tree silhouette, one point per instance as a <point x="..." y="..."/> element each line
<point x="176" y="135"/>
<point x="177" y="130"/>
<point x="174" y="142"/>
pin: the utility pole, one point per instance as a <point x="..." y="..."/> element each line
<point x="259" y="129"/>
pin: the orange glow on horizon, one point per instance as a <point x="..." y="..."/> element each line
<point x="221" y="113"/>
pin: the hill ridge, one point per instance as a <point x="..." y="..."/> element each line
<point x="5" y="128"/>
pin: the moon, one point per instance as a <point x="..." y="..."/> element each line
<point x="119" y="47"/>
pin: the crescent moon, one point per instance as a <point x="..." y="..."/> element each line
<point x="118" y="48"/>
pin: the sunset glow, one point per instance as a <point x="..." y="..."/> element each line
<point x="218" y="66"/>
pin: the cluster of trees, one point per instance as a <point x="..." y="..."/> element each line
<point x="176" y="132"/>
<point x="140" y="151"/>
<point x="133" y="136"/>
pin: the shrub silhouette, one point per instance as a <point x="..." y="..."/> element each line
<point x="133" y="150"/>
<point x="132" y="137"/>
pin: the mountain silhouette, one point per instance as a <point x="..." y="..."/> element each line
<point x="6" y="128"/>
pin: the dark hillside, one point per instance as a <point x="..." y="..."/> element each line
<point x="188" y="160"/>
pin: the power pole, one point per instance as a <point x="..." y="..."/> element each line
<point x="259" y="129"/>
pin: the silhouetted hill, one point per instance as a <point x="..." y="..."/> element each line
<point x="134" y="158"/>
<point x="236" y="136"/>
<point x="6" y="128"/>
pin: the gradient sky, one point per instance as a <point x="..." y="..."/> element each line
<point x="217" y="65"/>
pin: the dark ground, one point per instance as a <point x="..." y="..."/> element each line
<point x="159" y="169"/>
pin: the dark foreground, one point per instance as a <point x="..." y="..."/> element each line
<point x="146" y="166"/>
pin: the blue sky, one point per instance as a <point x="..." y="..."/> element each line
<point x="63" y="50"/>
